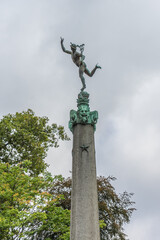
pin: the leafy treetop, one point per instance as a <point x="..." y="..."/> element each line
<point x="24" y="136"/>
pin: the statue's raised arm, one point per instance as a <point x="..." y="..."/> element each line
<point x="78" y="59"/>
<point x="63" y="48"/>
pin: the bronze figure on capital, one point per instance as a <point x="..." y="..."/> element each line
<point x="78" y="59"/>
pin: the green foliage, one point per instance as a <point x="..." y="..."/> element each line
<point x="24" y="136"/>
<point x="27" y="209"/>
<point x="26" y="206"/>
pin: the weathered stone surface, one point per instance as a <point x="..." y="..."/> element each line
<point x="84" y="203"/>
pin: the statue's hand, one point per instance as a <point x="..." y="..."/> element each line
<point x="97" y="66"/>
<point x="62" y="40"/>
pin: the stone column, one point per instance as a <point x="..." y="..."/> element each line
<point x="84" y="200"/>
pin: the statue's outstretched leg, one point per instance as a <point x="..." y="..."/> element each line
<point x="81" y="71"/>
<point x="90" y="74"/>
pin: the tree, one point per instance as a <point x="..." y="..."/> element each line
<point x="26" y="206"/>
<point x="114" y="210"/>
<point x="24" y="136"/>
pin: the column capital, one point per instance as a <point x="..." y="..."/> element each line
<point x="83" y="115"/>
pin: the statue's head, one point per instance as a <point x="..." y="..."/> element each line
<point x="83" y="112"/>
<point x="73" y="46"/>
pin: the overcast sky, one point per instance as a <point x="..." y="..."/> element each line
<point x="123" y="36"/>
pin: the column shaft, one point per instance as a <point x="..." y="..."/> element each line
<point x="84" y="203"/>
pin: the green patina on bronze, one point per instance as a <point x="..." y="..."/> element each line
<point x="83" y="115"/>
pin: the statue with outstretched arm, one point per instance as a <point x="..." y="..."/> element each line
<point x="78" y="59"/>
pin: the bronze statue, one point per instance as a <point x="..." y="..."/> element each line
<point x="78" y="59"/>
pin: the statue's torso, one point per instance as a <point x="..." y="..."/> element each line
<point x="76" y="58"/>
